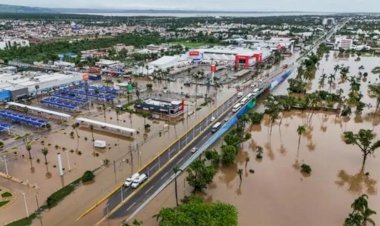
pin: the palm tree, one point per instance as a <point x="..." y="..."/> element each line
<point x="175" y="171"/>
<point x="375" y="92"/>
<point x="45" y="151"/>
<point x="362" y="139"/>
<point x="240" y="173"/>
<point x="92" y="132"/>
<point x="28" y="147"/>
<point x="117" y="111"/>
<point x="300" y="130"/>
<point x="336" y="68"/>
<point x="322" y="80"/>
<point x="331" y="80"/>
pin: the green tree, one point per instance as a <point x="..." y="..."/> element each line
<point x="194" y="211"/>
<point x="364" y="140"/>
<point x="229" y="153"/>
<point x="45" y="151"/>
<point x="361" y="213"/>
<point x="200" y="175"/>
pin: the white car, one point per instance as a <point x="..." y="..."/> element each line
<point x="194" y="149"/>
<point x="139" y="180"/>
<point x="212" y="118"/>
<point x="130" y="179"/>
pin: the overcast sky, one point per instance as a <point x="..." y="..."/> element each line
<point x="261" y="5"/>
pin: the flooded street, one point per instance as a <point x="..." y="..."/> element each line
<point x="277" y="193"/>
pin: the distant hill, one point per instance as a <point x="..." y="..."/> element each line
<point x="23" y="9"/>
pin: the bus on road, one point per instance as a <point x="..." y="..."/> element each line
<point x="236" y="107"/>
<point x="215" y="127"/>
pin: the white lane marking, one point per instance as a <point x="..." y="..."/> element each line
<point x="164" y="175"/>
<point x="180" y="160"/>
<point x="149" y="190"/>
<point x="131" y="205"/>
<point x="203" y="138"/>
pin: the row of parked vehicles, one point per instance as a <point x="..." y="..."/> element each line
<point x="243" y="101"/>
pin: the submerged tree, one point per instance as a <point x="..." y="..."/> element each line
<point x="28" y="147"/>
<point x="200" y="175"/>
<point x="361" y="213"/>
<point x="375" y="93"/>
<point x="240" y="174"/>
<point x="45" y="151"/>
<point x="194" y="211"/>
<point x="300" y="131"/>
<point x="363" y="139"/>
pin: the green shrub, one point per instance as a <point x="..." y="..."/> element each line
<point x="305" y="169"/>
<point x="88" y="176"/>
<point x="2" y="203"/>
<point x="6" y="195"/>
<point x="59" y="195"/>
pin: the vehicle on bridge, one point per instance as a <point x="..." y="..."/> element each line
<point x="130" y="179"/>
<point x="236" y="107"/>
<point x="139" y="180"/>
<point x="215" y="127"/>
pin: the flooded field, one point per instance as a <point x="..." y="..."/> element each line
<point x="277" y="193"/>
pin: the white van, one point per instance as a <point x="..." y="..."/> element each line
<point x="130" y="179"/>
<point x="100" y="144"/>
<point x="236" y="108"/>
<point x="256" y="90"/>
<point x="139" y="180"/>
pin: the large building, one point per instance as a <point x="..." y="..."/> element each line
<point x="229" y="55"/>
<point x="161" y="109"/>
<point x="16" y="85"/>
<point x="13" y="42"/>
<point x="343" y="42"/>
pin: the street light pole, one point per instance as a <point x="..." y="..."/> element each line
<point x="26" y="205"/>
<point x="6" y="165"/>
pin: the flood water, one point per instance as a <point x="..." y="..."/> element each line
<point x="277" y="193"/>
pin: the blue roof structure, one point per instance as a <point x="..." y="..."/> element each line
<point x="22" y="118"/>
<point x="90" y="94"/>
<point x="71" y="98"/>
<point x="4" y="127"/>
<point x="58" y="103"/>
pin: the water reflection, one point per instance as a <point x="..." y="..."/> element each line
<point x="357" y="183"/>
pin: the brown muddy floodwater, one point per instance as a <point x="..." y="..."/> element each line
<point x="278" y="193"/>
